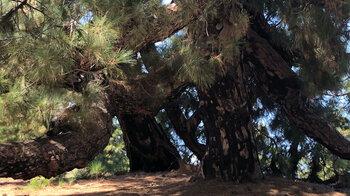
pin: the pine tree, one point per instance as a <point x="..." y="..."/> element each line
<point x="67" y="68"/>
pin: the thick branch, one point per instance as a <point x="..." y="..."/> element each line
<point x="173" y="25"/>
<point x="72" y="145"/>
<point x="185" y="128"/>
<point x="147" y="93"/>
<point x="283" y="86"/>
<point x="165" y="28"/>
<point x="266" y="31"/>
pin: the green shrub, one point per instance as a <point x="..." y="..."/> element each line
<point x="71" y="180"/>
<point x="96" y="169"/>
<point x="61" y="181"/>
<point x="39" y="182"/>
<point x="113" y="160"/>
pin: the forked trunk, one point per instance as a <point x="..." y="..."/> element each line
<point x="148" y="148"/>
<point x="185" y="128"/>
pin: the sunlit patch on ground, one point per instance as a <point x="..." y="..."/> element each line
<point x="171" y="183"/>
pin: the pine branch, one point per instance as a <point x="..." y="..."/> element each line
<point x="169" y="28"/>
<point x="41" y="11"/>
<point x="4" y="19"/>
<point x="284" y="87"/>
<point x="260" y="24"/>
<point x="161" y="86"/>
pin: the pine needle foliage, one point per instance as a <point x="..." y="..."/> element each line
<point x="191" y="65"/>
<point x="41" y="44"/>
<point x="318" y="34"/>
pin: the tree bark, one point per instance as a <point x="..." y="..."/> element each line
<point x="279" y="82"/>
<point x="71" y="145"/>
<point x="148" y="148"/>
<point x="231" y="152"/>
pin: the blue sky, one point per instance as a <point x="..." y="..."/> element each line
<point x="166" y="1"/>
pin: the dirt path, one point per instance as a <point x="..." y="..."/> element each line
<point x="172" y="183"/>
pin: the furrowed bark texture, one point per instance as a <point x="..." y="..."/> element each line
<point x="231" y="153"/>
<point x="73" y="145"/>
<point x="283" y="86"/>
<point x="148" y="148"/>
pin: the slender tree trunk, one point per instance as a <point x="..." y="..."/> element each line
<point x="315" y="168"/>
<point x="275" y="171"/>
<point x="148" y="148"/>
<point x="295" y="157"/>
<point x="231" y="154"/>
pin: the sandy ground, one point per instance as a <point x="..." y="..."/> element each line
<point x="171" y="183"/>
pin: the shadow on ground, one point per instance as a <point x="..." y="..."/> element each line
<point x="171" y="183"/>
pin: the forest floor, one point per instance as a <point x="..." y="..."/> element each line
<point x="170" y="183"/>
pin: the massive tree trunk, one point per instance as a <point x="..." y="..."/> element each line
<point x="147" y="145"/>
<point x="283" y="86"/>
<point x="231" y="153"/>
<point x="70" y="145"/>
